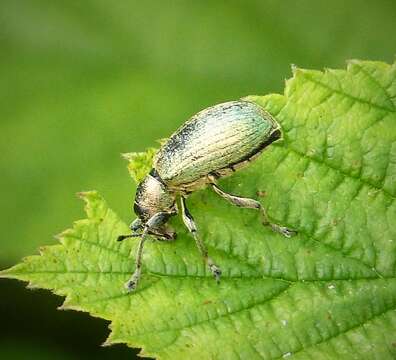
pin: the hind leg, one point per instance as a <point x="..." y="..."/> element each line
<point x="253" y="204"/>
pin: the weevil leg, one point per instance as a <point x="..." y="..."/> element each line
<point x="131" y="284"/>
<point x="253" y="204"/>
<point x="156" y="220"/>
<point x="192" y="228"/>
<point x="164" y="233"/>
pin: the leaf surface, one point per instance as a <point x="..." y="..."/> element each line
<point x="329" y="292"/>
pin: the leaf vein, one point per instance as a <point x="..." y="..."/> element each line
<point x="219" y="316"/>
<point x="338" y="170"/>
<point x="349" y="96"/>
<point x="373" y="79"/>
<point x="344" y="332"/>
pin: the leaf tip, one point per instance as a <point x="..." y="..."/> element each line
<point x="294" y="69"/>
<point x="162" y="141"/>
<point x="87" y="195"/>
<point x="65" y="306"/>
<point x="106" y="343"/>
<point x="111" y="339"/>
<point x="32" y="286"/>
<point x="127" y="156"/>
<point x="58" y="236"/>
<point x="13" y="272"/>
<point x="63" y="234"/>
<point x="4" y="274"/>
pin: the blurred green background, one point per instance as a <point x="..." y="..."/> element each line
<point x="83" y="81"/>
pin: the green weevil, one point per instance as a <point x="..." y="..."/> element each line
<point x="212" y="144"/>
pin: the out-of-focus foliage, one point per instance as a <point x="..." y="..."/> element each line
<point x="83" y="81"/>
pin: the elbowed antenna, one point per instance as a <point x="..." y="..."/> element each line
<point x="123" y="237"/>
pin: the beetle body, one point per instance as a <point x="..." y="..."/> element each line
<point x="212" y="144"/>
<point x="216" y="141"/>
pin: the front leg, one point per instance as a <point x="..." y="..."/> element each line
<point x="253" y="204"/>
<point x="192" y="228"/>
<point x="155" y="221"/>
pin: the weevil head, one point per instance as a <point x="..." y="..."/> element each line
<point x="152" y="196"/>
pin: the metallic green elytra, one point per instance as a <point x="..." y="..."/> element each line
<point x="215" y="140"/>
<point x="212" y="144"/>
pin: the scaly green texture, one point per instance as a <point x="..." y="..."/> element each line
<point x="329" y="292"/>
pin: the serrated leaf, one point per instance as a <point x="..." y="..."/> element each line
<point x="139" y="163"/>
<point x="329" y="292"/>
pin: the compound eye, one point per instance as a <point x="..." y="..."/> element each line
<point x="139" y="211"/>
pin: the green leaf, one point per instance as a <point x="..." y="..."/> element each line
<point x="139" y="163"/>
<point x="329" y="292"/>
